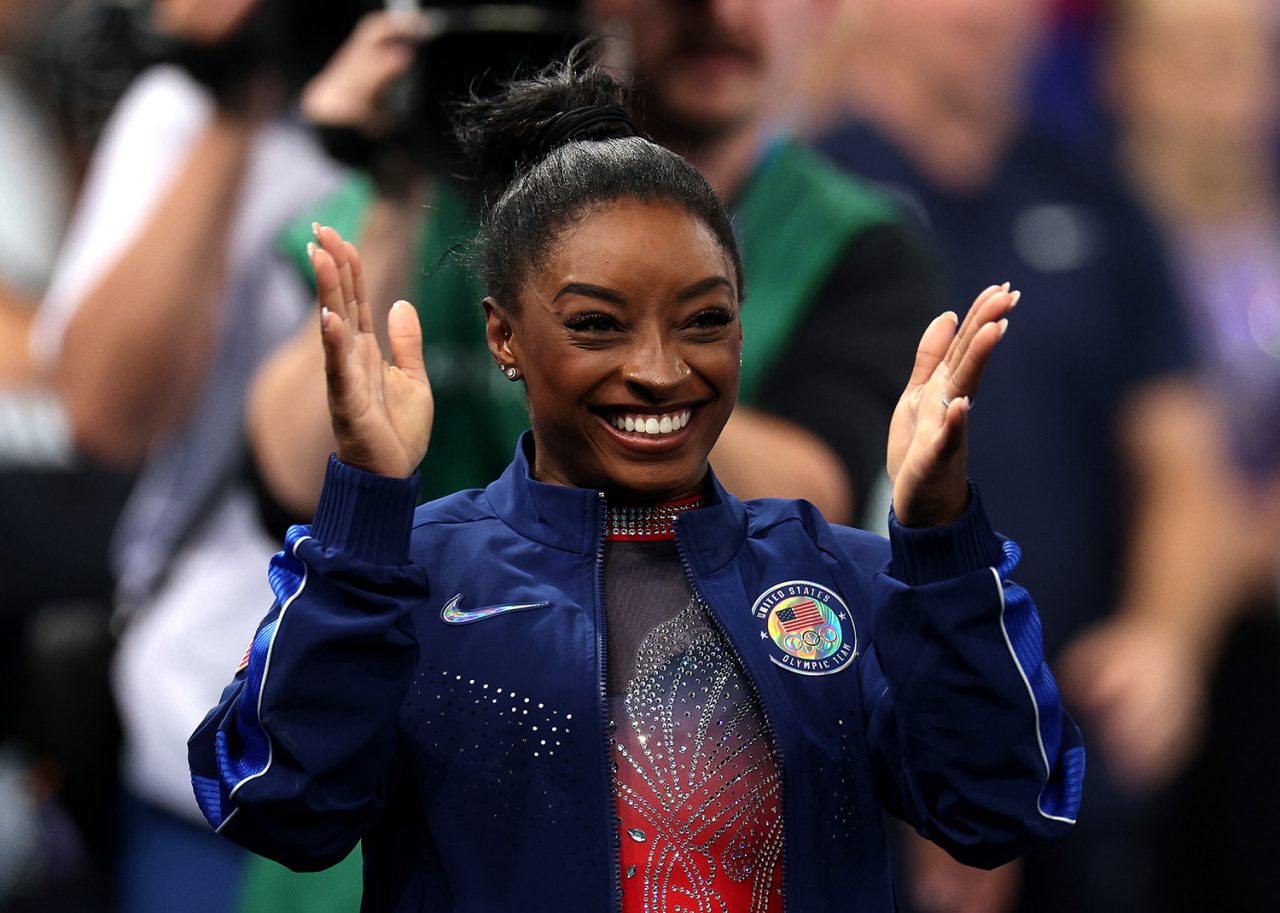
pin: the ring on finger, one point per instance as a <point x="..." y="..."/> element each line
<point x="947" y="401"/>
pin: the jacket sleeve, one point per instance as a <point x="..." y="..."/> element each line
<point x="969" y="740"/>
<point x="296" y="759"/>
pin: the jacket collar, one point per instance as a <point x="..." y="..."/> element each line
<point x="572" y="519"/>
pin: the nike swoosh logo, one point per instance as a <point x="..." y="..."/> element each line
<point x="453" y="615"/>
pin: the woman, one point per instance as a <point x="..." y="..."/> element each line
<point x="552" y="694"/>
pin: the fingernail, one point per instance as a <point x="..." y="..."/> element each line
<point x="1004" y="326"/>
<point x="315" y="230"/>
<point x="1015" y="298"/>
<point x="311" y="249"/>
<point x="1006" y="286"/>
<point x="324" y="316"/>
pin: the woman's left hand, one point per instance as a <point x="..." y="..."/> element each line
<point x="928" y="435"/>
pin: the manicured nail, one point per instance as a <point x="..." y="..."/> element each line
<point x="324" y="316"/>
<point x="1004" y="326"/>
<point x="1015" y="298"/>
<point x="311" y="249"/>
<point x="1006" y="286"/>
<point x="315" y="230"/>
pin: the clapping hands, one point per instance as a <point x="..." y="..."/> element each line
<point x="927" y="453"/>
<point x="381" y="411"/>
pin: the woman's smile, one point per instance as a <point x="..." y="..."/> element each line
<point x="647" y="423"/>
<point x="648" y="431"/>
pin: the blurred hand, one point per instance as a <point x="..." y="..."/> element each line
<point x="927" y="450"/>
<point x="1142" y="688"/>
<point x="351" y="90"/>
<point x="381" y="413"/>
<point x="939" y="884"/>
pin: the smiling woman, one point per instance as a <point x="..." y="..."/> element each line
<point x="634" y="316"/>
<point x="603" y="682"/>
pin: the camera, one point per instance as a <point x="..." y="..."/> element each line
<point x="473" y="48"/>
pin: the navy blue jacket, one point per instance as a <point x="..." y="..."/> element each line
<point x="434" y="686"/>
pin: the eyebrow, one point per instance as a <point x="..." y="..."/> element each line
<point x="588" y="290"/>
<point x="703" y="286"/>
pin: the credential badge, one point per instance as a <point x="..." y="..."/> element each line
<point x="807" y="626"/>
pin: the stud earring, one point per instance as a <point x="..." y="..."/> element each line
<point x="511" y="372"/>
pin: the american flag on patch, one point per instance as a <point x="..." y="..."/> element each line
<point x="244" y="663"/>
<point x="800" y="617"/>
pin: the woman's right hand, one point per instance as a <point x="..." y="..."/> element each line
<point x="381" y="413"/>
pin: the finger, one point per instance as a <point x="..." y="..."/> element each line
<point x="333" y="334"/>
<point x="328" y="287"/>
<point x="404" y="332"/>
<point x="971" y="315"/>
<point x="989" y="308"/>
<point x="336" y="247"/>
<point x="951" y="433"/>
<point x="933" y="346"/>
<point x="966" y="376"/>
<point x="363" y="311"/>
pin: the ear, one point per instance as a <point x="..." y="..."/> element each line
<point x="498" y="331"/>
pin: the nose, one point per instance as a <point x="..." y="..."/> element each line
<point x="655" y="370"/>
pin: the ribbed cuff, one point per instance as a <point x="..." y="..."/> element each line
<point x="366" y="516"/>
<point x="930" y="554"/>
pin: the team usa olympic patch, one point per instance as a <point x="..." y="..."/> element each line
<point x="807" y="626"/>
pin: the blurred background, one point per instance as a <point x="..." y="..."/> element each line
<point x="161" y="162"/>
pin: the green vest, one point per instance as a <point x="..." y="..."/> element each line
<point x="795" y="218"/>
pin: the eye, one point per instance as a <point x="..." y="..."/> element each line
<point x="593" y="322"/>
<point x="712" y="318"/>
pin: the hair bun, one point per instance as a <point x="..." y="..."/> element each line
<point x="592" y="122"/>
<point x="512" y="129"/>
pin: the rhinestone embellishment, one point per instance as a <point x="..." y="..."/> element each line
<point x="651" y="521"/>
<point x="697" y="783"/>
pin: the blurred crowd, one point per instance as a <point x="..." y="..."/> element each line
<point x="163" y="420"/>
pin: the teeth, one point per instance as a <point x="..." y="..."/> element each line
<point x="652" y="424"/>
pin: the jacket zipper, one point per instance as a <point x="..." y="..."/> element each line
<point x="755" y="692"/>
<point x="602" y="657"/>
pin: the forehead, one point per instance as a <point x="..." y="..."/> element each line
<point x="635" y="245"/>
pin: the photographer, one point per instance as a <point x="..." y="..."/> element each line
<point x="201" y="166"/>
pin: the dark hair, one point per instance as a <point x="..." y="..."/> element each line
<point x="534" y="176"/>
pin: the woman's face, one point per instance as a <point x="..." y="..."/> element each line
<point x="633" y="321"/>
<point x="202" y="21"/>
